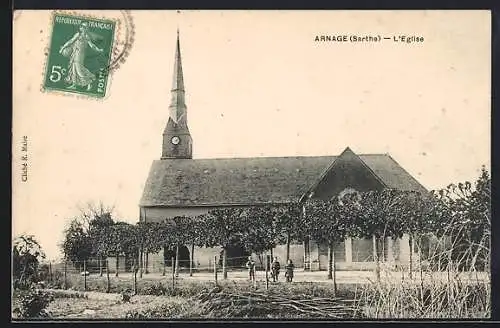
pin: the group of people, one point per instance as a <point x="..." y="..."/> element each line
<point x="275" y="269"/>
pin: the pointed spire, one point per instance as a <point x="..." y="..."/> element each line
<point x="177" y="106"/>
<point x="178" y="81"/>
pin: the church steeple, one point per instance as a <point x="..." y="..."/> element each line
<point x="177" y="141"/>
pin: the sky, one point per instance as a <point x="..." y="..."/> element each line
<point x="257" y="84"/>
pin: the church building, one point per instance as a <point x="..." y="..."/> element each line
<point x="180" y="185"/>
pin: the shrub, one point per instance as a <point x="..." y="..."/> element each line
<point x="32" y="304"/>
<point x="171" y="310"/>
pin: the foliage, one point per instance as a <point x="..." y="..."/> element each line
<point x="99" y="229"/>
<point x="380" y="214"/>
<point x="32" y="304"/>
<point x="260" y="233"/>
<point x="77" y="246"/>
<point x="224" y="227"/>
<point x="26" y="256"/>
<point x="124" y="239"/>
<point x="288" y="221"/>
<point x="469" y="226"/>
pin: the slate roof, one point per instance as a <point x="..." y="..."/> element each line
<point x="244" y="181"/>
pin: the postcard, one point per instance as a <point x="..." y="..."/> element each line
<point x="251" y="164"/>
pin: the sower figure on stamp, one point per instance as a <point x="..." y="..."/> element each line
<point x="289" y="271"/>
<point x="251" y="268"/>
<point x="275" y="269"/>
<point x="74" y="48"/>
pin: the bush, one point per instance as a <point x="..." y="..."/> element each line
<point x="171" y="310"/>
<point x="32" y="304"/>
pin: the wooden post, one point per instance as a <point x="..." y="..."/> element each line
<point x="334" y="269"/>
<point x="50" y="271"/>
<point x="84" y="275"/>
<point x="100" y="266"/>
<point x="117" y="264"/>
<point x="310" y="257"/>
<point x="191" y="261"/>
<point x="65" y="274"/>
<point x="177" y="260"/>
<point x="164" y="266"/>
<point x="107" y="277"/>
<point x="135" y="269"/>
<point x="267" y="272"/>
<point x="330" y="260"/>
<point x="375" y="258"/>
<point x="173" y="273"/>
<point x="410" y="269"/>
<point x="224" y="262"/>
<point x="319" y="255"/>
<point x="141" y="263"/>
<point x="215" y="269"/>
<point x="287" y="246"/>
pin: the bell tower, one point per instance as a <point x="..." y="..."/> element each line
<point x="177" y="141"/>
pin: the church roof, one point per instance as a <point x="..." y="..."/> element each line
<point x="246" y="181"/>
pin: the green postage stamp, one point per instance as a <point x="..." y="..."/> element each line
<point x="79" y="55"/>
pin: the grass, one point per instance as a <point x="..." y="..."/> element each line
<point x="421" y="297"/>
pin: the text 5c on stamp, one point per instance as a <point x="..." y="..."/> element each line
<point x="79" y="55"/>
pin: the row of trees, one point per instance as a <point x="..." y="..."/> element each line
<point x="460" y="212"/>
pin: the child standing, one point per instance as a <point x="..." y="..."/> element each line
<point x="275" y="269"/>
<point x="251" y="268"/>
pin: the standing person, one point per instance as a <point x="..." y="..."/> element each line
<point x="275" y="269"/>
<point x="289" y="271"/>
<point x="76" y="49"/>
<point x="251" y="268"/>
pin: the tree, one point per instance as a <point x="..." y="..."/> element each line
<point x="418" y="215"/>
<point x="224" y="227"/>
<point x="469" y="227"/>
<point x="99" y="229"/>
<point x="197" y="237"/>
<point x="123" y="241"/>
<point x="260" y="233"/>
<point x="153" y="236"/>
<point x="181" y="235"/>
<point x="26" y="256"/>
<point x="87" y="233"/>
<point x="379" y="212"/>
<point x="288" y="221"/>
<point x="77" y="245"/>
<point x="329" y="222"/>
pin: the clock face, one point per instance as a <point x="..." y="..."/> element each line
<point x="175" y="140"/>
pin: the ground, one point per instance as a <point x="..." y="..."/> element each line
<point x="158" y="298"/>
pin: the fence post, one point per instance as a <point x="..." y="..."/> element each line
<point x="191" y="260"/>
<point x="84" y="275"/>
<point x="177" y="261"/>
<point x="65" y="273"/>
<point x="50" y="271"/>
<point x="164" y="266"/>
<point x="267" y="272"/>
<point x="173" y="273"/>
<point x="135" y="269"/>
<point x="215" y="269"/>
<point x="107" y="276"/>
<point x="141" y="263"/>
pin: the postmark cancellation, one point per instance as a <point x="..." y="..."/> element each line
<point x="83" y="51"/>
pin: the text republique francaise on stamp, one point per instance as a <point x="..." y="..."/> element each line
<point x="79" y="55"/>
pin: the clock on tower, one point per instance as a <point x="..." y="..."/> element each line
<point x="177" y="141"/>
